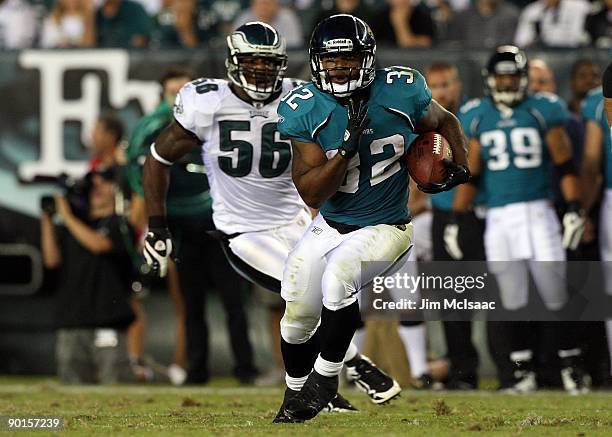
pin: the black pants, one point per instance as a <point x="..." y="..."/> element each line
<point x="202" y="266"/>
<point x="460" y="350"/>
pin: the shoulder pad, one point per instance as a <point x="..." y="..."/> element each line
<point x="303" y="111"/>
<point x="469" y="116"/>
<point x="290" y="83"/>
<point x="402" y="89"/>
<point x="549" y="108"/>
<point x="592" y="105"/>
<point x="470" y="105"/>
<point x="197" y="102"/>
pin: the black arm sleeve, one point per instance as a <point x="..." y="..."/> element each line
<point x="607" y="81"/>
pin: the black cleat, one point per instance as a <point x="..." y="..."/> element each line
<point x="282" y="416"/>
<point x="339" y="405"/>
<point x="316" y="394"/>
<point x="423" y="382"/>
<point x="379" y="386"/>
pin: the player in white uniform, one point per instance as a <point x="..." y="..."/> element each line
<point x="257" y="210"/>
<point x="255" y="203"/>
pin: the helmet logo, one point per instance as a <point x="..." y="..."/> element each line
<point x="340" y="44"/>
<point x="347" y="135"/>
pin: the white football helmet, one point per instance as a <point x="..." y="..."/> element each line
<point x="257" y="59"/>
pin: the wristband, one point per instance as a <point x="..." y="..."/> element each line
<point x="157" y="222"/>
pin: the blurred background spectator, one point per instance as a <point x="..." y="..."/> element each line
<point x="599" y="24"/>
<point x="216" y="18"/>
<point x="106" y="141"/>
<point x="175" y="25"/>
<point x="357" y="8"/>
<point x="553" y="23"/>
<point x="92" y="251"/>
<point x="403" y="24"/>
<point x="486" y="23"/>
<point x="284" y="19"/>
<point x="585" y="75"/>
<point x="17" y="24"/>
<point x="71" y="23"/>
<point x="122" y="23"/>
<point x="541" y="77"/>
<point x="151" y="6"/>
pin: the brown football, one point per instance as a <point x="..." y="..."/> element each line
<point x="425" y="156"/>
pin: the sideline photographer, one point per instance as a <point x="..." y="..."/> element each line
<point x="91" y="250"/>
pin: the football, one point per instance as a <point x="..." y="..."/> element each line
<point x="425" y="156"/>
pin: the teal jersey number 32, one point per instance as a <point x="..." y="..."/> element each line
<point x="375" y="188"/>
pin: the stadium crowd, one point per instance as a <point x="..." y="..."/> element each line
<point x="396" y="23"/>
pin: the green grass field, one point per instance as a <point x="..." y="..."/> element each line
<point x="223" y="409"/>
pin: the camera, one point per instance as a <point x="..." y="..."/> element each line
<point x="76" y="191"/>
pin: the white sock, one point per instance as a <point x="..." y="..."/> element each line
<point x="351" y="352"/>
<point x="359" y="338"/>
<point x="609" y="335"/>
<point x="327" y="368"/>
<point x="524" y="355"/>
<point x="295" y="383"/>
<point x="569" y="353"/>
<point x="414" y="341"/>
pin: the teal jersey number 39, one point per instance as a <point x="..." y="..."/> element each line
<point x="375" y="188"/>
<point x="513" y="147"/>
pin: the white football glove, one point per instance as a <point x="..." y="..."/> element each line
<point x="157" y="250"/>
<point x="451" y="240"/>
<point x="573" y="225"/>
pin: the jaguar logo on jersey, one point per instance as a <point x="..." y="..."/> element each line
<point x="259" y="113"/>
<point x="506" y="123"/>
<point x="341" y="44"/>
<point x="316" y="231"/>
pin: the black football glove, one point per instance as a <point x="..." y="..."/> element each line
<point x="357" y="121"/>
<point x="158" y="246"/>
<point x="456" y="174"/>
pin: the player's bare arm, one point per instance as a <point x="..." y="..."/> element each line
<point x="316" y="177"/>
<point x="560" y="149"/>
<point x="446" y="124"/>
<point x="606" y="83"/>
<point x="171" y="144"/>
<point x="466" y="193"/>
<point x="608" y="108"/>
<point x="590" y="173"/>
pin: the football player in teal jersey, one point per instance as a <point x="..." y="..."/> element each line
<point x="512" y="138"/>
<point x="350" y="129"/>
<point x="598" y="159"/>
